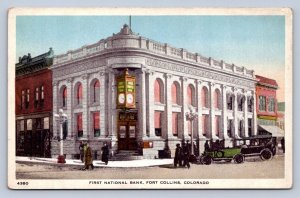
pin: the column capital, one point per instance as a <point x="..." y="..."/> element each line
<point x="235" y="90"/>
<point x="84" y="76"/>
<point x="212" y="84"/>
<point x="55" y="83"/>
<point x="183" y="78"/>
<point x="101" y="73"/>
<point x="150" y="72"/>
<point x="69" y="80"/>
<point x="199" y="82"/>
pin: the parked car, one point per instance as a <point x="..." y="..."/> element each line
<point x="226" y="154"/>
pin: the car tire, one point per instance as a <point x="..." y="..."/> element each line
<point x="238" y="158"/>
<point x="206" y="159"/>
<point x="266" y="154"/>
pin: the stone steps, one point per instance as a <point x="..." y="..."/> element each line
<point x="126" y="155"/>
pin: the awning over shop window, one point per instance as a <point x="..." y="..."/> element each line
<point x="274" y="130"/>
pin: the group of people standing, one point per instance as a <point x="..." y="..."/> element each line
<point x="87" y="157"/>
<point x="182" y="155"/>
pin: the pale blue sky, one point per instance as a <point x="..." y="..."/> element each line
<point x="256" y="42"/>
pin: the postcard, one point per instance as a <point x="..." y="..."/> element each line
<point x="140" y="98"/>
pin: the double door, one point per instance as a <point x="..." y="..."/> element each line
<point x="127" y="135"/>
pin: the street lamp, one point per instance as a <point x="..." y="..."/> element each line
<point x="61" y="117"/>
<point x="191" y="116"/>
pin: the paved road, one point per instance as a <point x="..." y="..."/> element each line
<point x="251" y="168"/>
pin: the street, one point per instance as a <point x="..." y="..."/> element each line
<point x="253" y="167"/>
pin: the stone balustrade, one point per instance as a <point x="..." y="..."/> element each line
<point x="134" y="41"/>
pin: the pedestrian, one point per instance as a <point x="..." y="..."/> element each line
<point x="81" y="152"/>
<point x="84" y="150"/>
<point x="206" y="146"/>
<point x="186" y="155"/>
<point x="178" y="154"/>
<point x="282" y="141"/>
<point x="88" y="160"/>
<point x="105" y="153"/>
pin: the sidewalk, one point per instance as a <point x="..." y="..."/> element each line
<point x="97" y="163"/>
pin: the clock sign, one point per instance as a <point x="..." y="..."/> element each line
<point x="126" y="91"/>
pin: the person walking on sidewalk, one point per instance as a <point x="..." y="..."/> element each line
<point x="178" y="154"/>
<point x="186" y="155"/>
<point x="81" y="152"/>
<point x="105" y="153"/>
<point x="88" y="160"/>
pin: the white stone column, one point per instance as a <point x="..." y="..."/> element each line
<point x="246" y="114"/>
<point x="103" y="104"/>
<point x="235" y="114"/>
<point x="254" y="120"/>
<point x="199" y="132"/>
<point x="184" y="129"/>
<point x="69" y="106"/>
<point x="212" y="111"/>
<point x="142" y="104"/>
<point x="168" y="103"/>
<point x="224" y="112"/>
<point x="85" y="115"/>
<point x="56" y="104"/>
<point x="112" y="106"/>
<point x="150" y="103"/>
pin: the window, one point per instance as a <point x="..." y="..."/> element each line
<point x="96" y="91"/>
<point x="64" y="97"/>
<point x="79" y="125"/>
<point x="27" y="99"/>
<point x="217" y="99"/>
<point x="38" y="123"/>
<point x="157" y="123"/>
<point x="36" y="97"/>
<point x="175" y="123"/>
<point x="191" y="95"/>
<point x="250" y="104"/>
<point x="262" y="103"/>
<point x="23" y="100"/>
<point x="241" y="103"/>
<point x="175" y="93"/>
<point x="271" y="104"/>
<point x="204" y="97"/>
<point x="229" y="128"/>
<point x="22" y="123"/>
<point x="249" y="127"/>
<point x="96" y="119"/>
<point x="158" y="91"/>
<point x="79" y="94"/>
<point x="42" y="96"/>
<point x="229" y="101"/>
<point x="217" y="124"/>
<point x="205" y="124"/>
<point x="46" y="123"/>
<point x="241" y="127"/>
<point x="29" y="124"/>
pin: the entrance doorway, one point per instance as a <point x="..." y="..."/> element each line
<point x="127" y="131"/>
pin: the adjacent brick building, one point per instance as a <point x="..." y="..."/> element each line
<point x="33" y="89"/>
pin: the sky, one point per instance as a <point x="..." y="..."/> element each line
<point x="256" y="42"/>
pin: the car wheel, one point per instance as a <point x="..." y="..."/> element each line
<point x="239" y="158"/>
<point x="206" y="160"/>
<point x="266" y="154"/>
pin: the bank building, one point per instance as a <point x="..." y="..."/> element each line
<point x="133" y="93"/>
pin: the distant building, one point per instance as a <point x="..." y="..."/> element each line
<point x="133" y="93"/>
<point x="33" y="89"/>
<point x="267" y="108"/>
<point x="281" y="115"/>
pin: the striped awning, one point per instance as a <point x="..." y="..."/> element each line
<point x="274" y="130"/>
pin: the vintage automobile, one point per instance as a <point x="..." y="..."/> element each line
<point x="263" y="146"/>
<point x="226" y="154"/>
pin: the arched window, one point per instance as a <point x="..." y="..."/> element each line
<point x="64" y="97"/>
<point x="158" y="91"/>
<point x="204" y="97"/>
<point x="96" y="91"/>
<point x="217" y="99"/>
<point x="175" y="93"/>
<point x="205" y="125"/>
<point x="191" y="95"/>
<point x="79" y="94"/>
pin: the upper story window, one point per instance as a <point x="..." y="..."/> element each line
<point x="36" y="97"/>
<point x="271" y="104"/>
<point x="191" y="95"/>
<point x="27" y="98"/>
<point x="79" y="94"/>
<point x="42" y="96"/>
<point x="204" y="97"/>
<point x="158" y="91"/>
<point x="241" y="102"/>
<point x="229" y="98"/>
<point x="96" y="91"/>
<point x="175" y="93"/>
<point x="64" y="97"/>
<point x="23" y="99"/>
<point x="262" y="103"/>
<point x="250" y="104"/>
<point x="217" y="99"/>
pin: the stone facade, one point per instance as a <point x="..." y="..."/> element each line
<point x="150" y="61"/>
